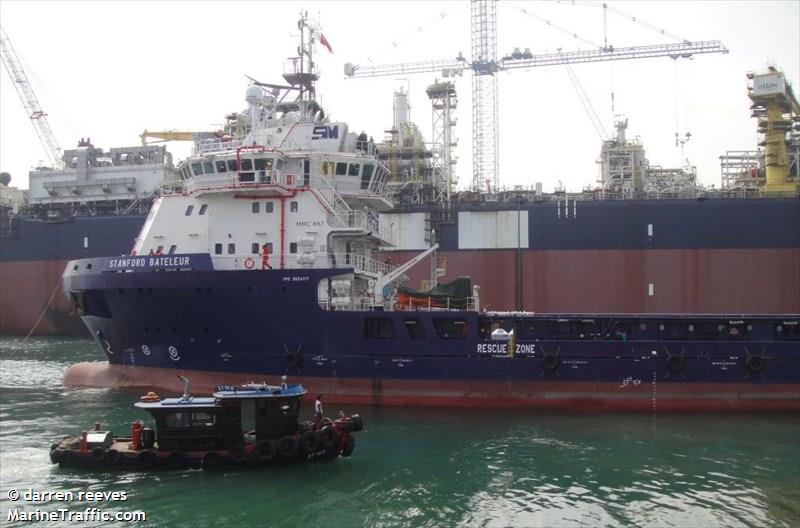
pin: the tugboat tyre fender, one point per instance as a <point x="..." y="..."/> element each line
<point x="147" y="459"/>
<point x="237" y="454"/>
<point x="754" y="364"/>
<point x="674" y="363"/>
<point x="349" y="445"/>
<point x="358" y="423"/>
<point x="98" y="454"/>
<point x="550" y="362"/>
<point x="176" y="460"/>
<point x="309" y="441"/>
<point x="210" y="459"/>
<point x="328" y="438"/>
<point x="265" y="450"/>
<point x="288" y="447"/>
<point x="55" y="456"/>
<point x="112" y="456"/>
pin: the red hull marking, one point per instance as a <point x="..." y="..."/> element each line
<point x="545" y="395"/>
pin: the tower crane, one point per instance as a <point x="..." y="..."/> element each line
<point x="485" y="64"/>
<point x="29" y="101"/>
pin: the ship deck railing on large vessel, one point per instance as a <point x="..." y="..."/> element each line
<point x="366" y="303"/>
<point x="358" y="262"/>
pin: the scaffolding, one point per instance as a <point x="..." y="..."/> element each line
<point x="444" y="101"/>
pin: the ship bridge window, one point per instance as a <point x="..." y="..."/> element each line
<point x="788" y="331"/>
<point x="450" y="328"/>
<point x="366" y="173"/>
<point x="279" y="164"/>
<point x="203" y="209"/>
<point x="221" y="166"/>
<point x="379" y="328"/>
<point x="341" y="169"/>
<point x="247" y="164"/>
<point x="232" y="165"/>
<point x="353" y="169"/>
<point x="197" y="169"/>
<point x="189" y="210"/>
<point x="186" y="173"/>
<point x="414" y="328"/>
<point x="208" y="167"/>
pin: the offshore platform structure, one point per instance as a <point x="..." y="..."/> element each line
<point x="775" y="168"/>
<point x="485" y="64"/>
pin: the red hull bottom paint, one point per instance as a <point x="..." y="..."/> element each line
<point x="535" y="395"/>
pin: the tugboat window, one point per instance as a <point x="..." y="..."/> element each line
<point x="231" y="249"/>
<point x="189" y="210"/>
<point x="221" y="166"/>
<point x="353" y="169"/>
<point x="218" y="249"/>
<point x="256" y="206"/>
<point x="341" y="169"/>
<point x="203" y="209"/>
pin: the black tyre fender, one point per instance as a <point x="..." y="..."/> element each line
<point x="98" y="454"/>
<point x="754" y="363"/>
<point x="210" y="459"/>
<point x="55" y="455"/>
<point x="112" y="456"/>
<point x="309" y="442"/>
<point x="358" y="423"/>
<point x="288" y="447"/>
<point x="550" y="362"/>
<point x="238" y="454"/>
<point x="266" y="450"/>
<point x="674" y="363"/>
<point x="349" y="445"/>
<point x="294" y="359"/>
<point x="176" y="460"/>
<point x="147" y="459"/>
<point x="328" y="438"/>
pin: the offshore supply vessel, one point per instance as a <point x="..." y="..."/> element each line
<point x="275" y="257"/>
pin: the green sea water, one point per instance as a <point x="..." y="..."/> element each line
<point x="417" y="467"/>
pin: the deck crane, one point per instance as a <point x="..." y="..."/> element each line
<point x="29" y="101"/>
<point x="485" y="64"/>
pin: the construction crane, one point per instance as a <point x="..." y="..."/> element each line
<point x="30" y="102"/>
<point x="485" y="64"/>
<point x="173" y="135"/>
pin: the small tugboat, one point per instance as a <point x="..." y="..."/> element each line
<point x="249" y="425"/>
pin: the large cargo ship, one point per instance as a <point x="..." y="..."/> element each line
<point x="283" y="253"/>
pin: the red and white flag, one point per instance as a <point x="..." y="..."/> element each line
<point x="324" y="42"/>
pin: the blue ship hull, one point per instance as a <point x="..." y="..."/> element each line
<point x="234" y="325"/>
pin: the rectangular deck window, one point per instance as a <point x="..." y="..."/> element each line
<point x="189" y="210"/>
<point x="675" y="330"/>
<point x="218" y="249"/>
<point x="255" y="207"/>
<point x="254" y="248"/>
<point x="293" y="247"/>
<point x="450" y="328"/>
<point x="197" y="169"/>
<point x="379" y="328"/>
<point x="247" y="164"/>
<point x="231" y="249"/>
<point x="221" y="166"/>
<point x="788" y="331"/>
<point x="341" y="169"/>
<point x="268" y="207"/>
<point x="203" y="209"/>
<point x="353" y="169"/>
<point x="293" y="207"/>
<point x="232" y="165"/>
<point x="414" y="328"/>
<point x="208" y="167"/>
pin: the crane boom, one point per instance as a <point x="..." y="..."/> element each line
<point x="456" y="66"/>
<point x="29" y="101"/>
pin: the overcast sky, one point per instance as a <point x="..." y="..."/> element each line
<point x="109" y="70"/>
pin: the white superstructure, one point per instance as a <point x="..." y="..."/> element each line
<point x="297" y="187"/>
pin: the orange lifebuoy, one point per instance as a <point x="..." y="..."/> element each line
<point x="249" y="263"/>
<point x="150" y="397"/>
